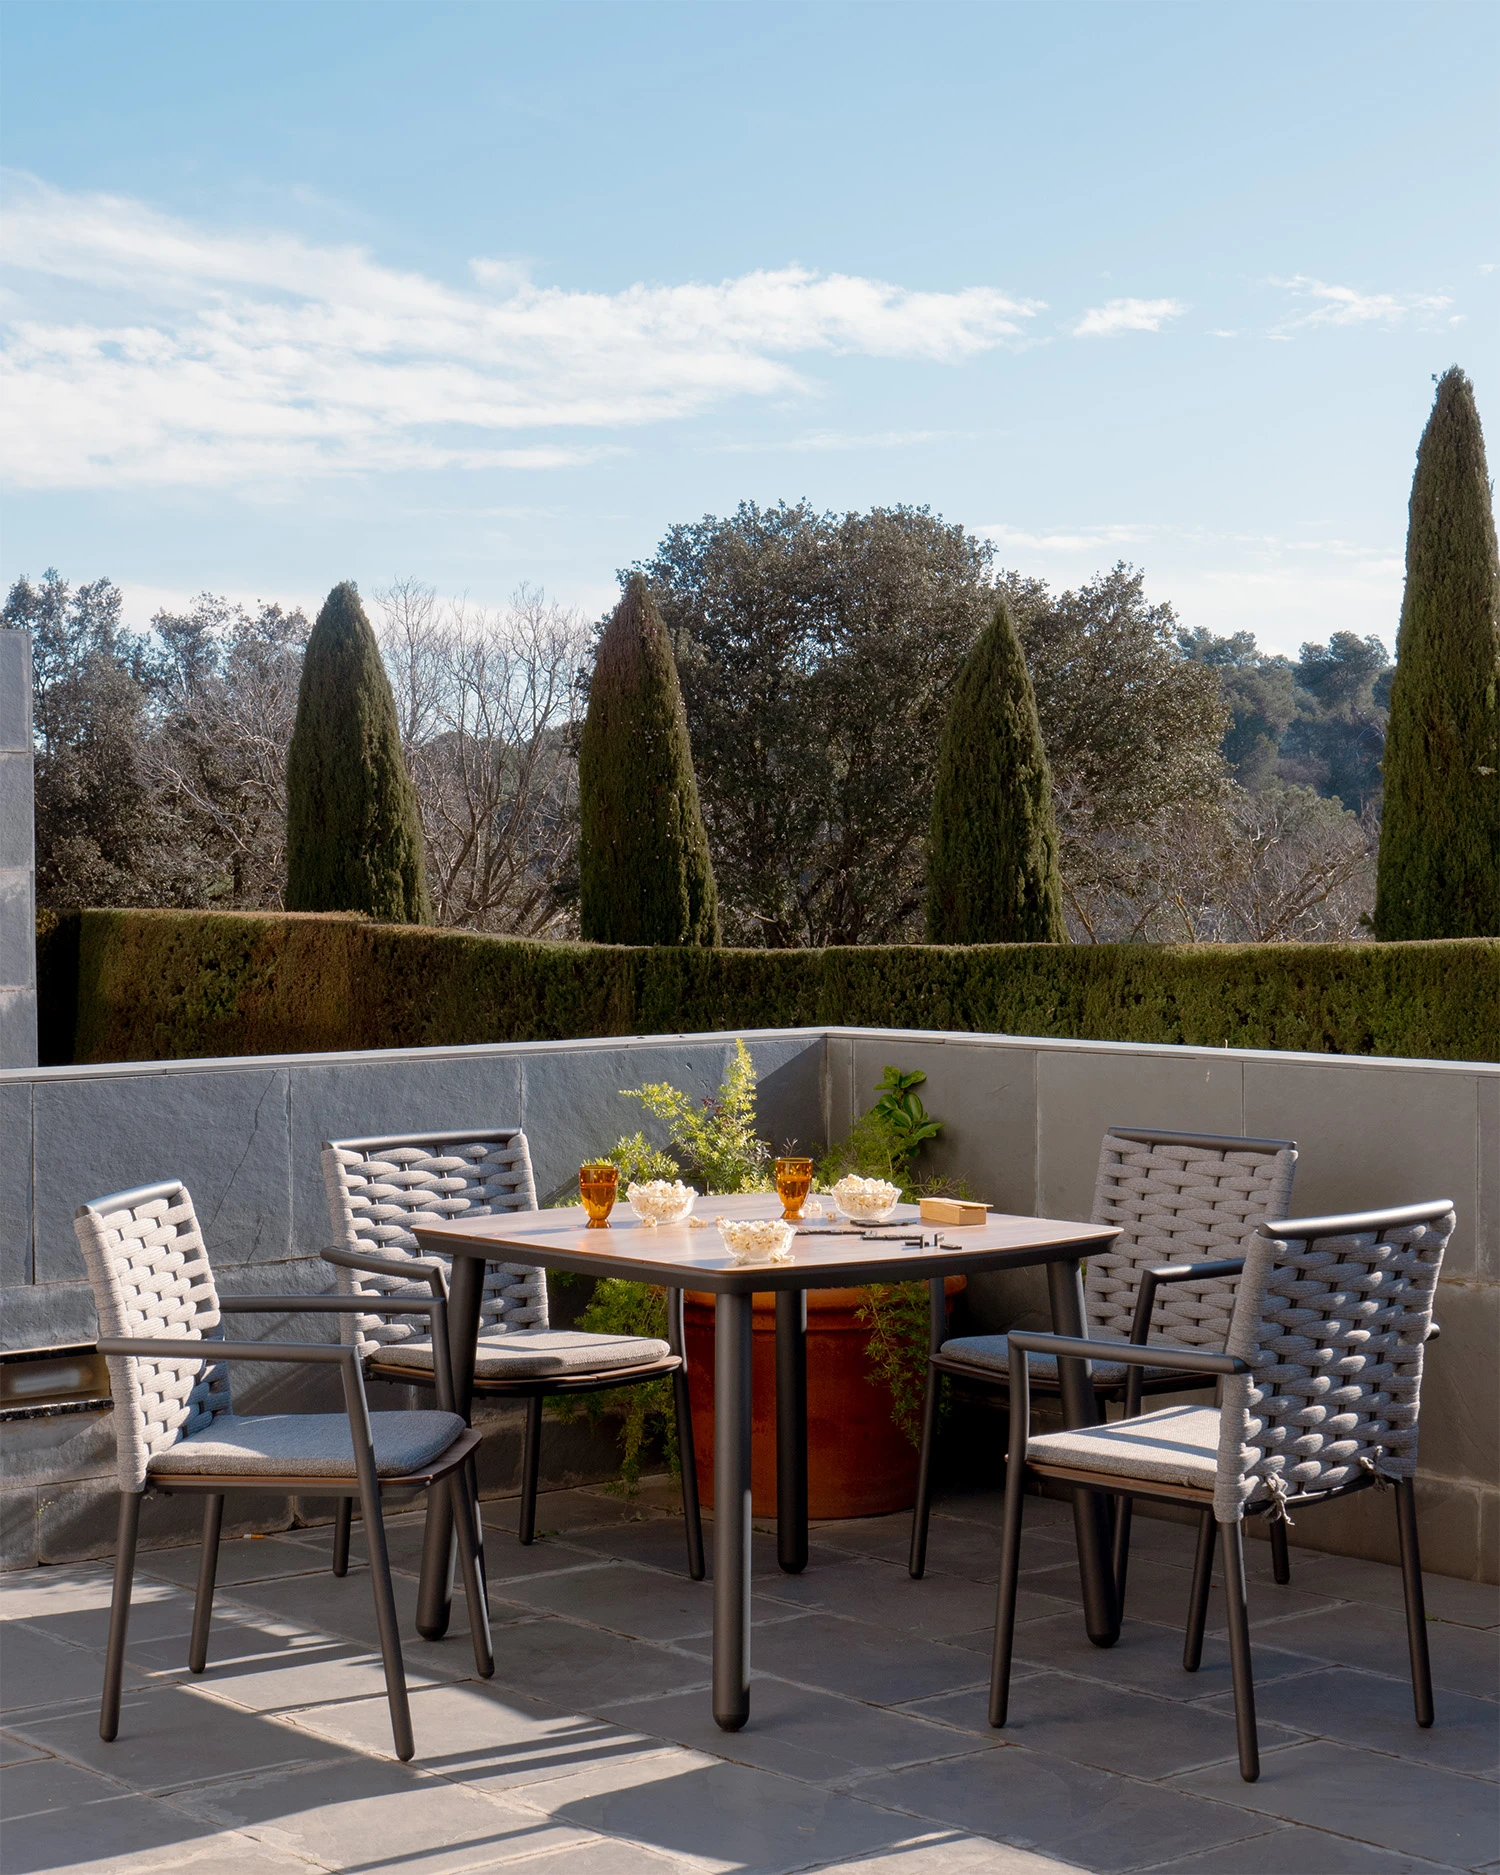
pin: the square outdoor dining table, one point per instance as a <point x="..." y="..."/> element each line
<point x="684" y="1257"/>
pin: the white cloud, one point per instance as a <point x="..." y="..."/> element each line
<point x="141" y="348"/>
<point x="1127" y="315"/>
<point x="1286" y="590"/>
<point x="1346" y="306"/>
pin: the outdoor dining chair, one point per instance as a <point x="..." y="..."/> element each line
<point x="1183" y="1203"/>
<point x="176" y="1430"/>
<point x="1320" y="1396"/>
<point x="377" y="1188"/>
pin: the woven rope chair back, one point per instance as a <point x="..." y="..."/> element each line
<point x="150" y="1276"/>
<point x="1180" y="1198"/>
<point x="379" y="1188"/>
<point x="1333" y="1324"/>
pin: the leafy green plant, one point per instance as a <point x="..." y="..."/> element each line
<point x="618" y="1307"/>
<point x="715" y="1136"/>
<point x="910" y="1124"/>
<point x="638" y="1160"/>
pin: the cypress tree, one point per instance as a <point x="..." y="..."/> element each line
<point x="992" y="855"/>
<point x="645" y="876"/>
<point x="353" y="833"/>
<point x="1439" y="871"/>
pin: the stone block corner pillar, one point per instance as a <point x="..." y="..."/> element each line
<point x="17" y="856"/>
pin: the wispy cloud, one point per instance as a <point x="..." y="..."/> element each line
<point x="142" y="348"/>
<point x="1127" y="315"/>
<point x="1325" y="305"/>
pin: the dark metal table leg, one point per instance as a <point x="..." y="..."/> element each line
<point x="791" y="1430"/>
<point x="1091" y="1526"/>
<point x="732" y="1319"/>
<point x="435" y="1593"/>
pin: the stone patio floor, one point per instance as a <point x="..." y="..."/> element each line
<point x="592" y="1751"/>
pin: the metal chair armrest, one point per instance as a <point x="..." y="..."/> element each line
<point x="435" y="1308"/>
<point x="159" y="1348"/>
<point x="1183" y="1360"/>
<point x="1145" y="1305"/>
<point x="407" y="1269"/>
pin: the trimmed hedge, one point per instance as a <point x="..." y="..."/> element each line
<point x="161" y="985"/>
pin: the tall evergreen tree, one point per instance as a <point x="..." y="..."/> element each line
<point x="353" y="833"/>
<point x="645" y="876"/>
<point x="1439" y="873"/>
<point x="992" y="873"/>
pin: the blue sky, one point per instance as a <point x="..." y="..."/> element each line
<point x="300" y="291"/>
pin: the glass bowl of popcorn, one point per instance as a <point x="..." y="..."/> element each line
<point x="661" y="1200"/>
<point x="866" y="1200"/>
<point x="757" y="1239"/>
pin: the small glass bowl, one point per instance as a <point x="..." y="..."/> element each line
<point x="661" y="1201"/>
<point x="757" y="1240"/>
<point x="866" y="1200"/>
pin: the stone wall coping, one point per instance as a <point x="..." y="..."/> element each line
<point x="210" y="1064"/>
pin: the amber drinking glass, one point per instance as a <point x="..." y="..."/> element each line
<point x="598" y="1186"/>
<point x="793" y="1183"/>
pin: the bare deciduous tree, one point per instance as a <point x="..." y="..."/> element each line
<point x="487" y="708"/>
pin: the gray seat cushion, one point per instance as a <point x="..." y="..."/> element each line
<point x="313" y="1445"/>
<point x="993" y="1352"/>
<point x="527" y="1352"/>
<point x="1178" y="1445"/>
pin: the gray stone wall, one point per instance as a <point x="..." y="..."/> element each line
<point x="1022" y="1118"/>
<point x="17" y="857"/>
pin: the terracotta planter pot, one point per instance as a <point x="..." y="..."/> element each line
<point x="858" y="1463"/>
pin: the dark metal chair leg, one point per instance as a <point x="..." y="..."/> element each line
<point x="208" y="1568"/>
<point x="343" y="1518"/>
<point x="531" y="1468"/>
<point x="1416" y="1606"/>
<point x="119" y="1612"/>
<point x="466" y="1529"/>
<point x="1239" y="1651"/>
<point x="471" y="1472"/>
<point x="1010" y="1555"/>
<point x="1281" y="1561"/>
<point x="1203" y="1572"/>
<point x="922" y="1514"/>
<point x="687" y="1456"/>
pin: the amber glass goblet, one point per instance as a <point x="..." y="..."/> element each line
<point x="598" y="1186"/>
<point x="793" y="1183"/>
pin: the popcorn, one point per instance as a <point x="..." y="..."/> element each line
<point x="661" y="1201"/>
<point x="757" y="1239"/>
<point x="866" y="1200"/>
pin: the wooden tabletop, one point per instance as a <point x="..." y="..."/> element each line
<point x="682" y="1257"/>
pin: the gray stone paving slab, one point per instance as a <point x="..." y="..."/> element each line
<point x="1467" y="1604"/>
<point x="131" y="1836"/>
<point x="273" y="1667"/>
<point x="1146" y="1657"/>
<point x="37" y="1670"/>
<point x="361" y="1813"/>
<point x="1108" y="1726"/>
<point x="169" y="1736"/>
<point x="645" y="1604"/>
<point x="1158" y="1591"/>
<point x="483" y="1735"/>
<point x="1288" y="1850"/>
<point x="938" y="1606"/>
<point x="859" y="1659"/>
<point x="1370" y="1710"/>
<point x="1464" y="1660"/>
<point x="800" y="1732"/>
<point x="584" y="1668"/>
<point x="1092" y="1818"/>
<point x="661" y="1545"/>
<point x="726" y="1816"/>
<point x="248" y="1559"/>
<point x="952" y="1853"/>
<point x="1367" y="1795"/>
<point x="15" y="1750"/>
<point x="602" y="1856"/>
<point x="44" y="1788"/>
